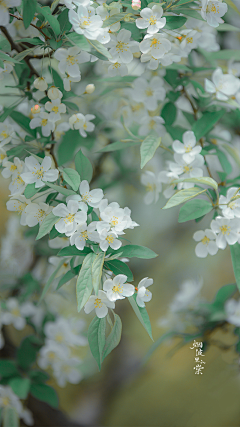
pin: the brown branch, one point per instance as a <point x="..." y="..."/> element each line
<point x="16" y="47"/>
<point x="32" y="25"/>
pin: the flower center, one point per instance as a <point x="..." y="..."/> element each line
<point x="69" y="218"/>
<point x="232" y="205"/>
<point x="152" y="20"/>
<point x="110" y="239"/>
<point x="154" y="42"/>
<point x="205" y="240"/>
<point x="150" y="187"/>
<point x="84" y="235"/>
<point x="188" y="148"/>
<point x="189" y="39"/>
<point x="121" y="46"/>
<point x="39" y="172"/>
<point x="85" y="197"/>
<point x="149" y="92"/>
<point x="116" y="65"/>
<point x="55" y="109"/>
<point x="15" y="312"/>
<point x="114" y="220"/>
<point x="225" y="229"/>
<point x="186" y="169"/>
<point x="4" y="134"/>
<point x="118" y="288"/>
<point x="44" y="122"/>
<point x="151" y="124"/>
<point x="51" y="355"/>
<point x="59" y="338"/>
<point x="5" y="401"/>
<point x="98" y="303"/>
<point x="71" y="59"/>
<point x="13" y="168"/>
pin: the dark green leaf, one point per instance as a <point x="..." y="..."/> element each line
<point x="45" y="393"/>
<point x="8" y="368"/>
<point x="23" y="122"/>
<point x="96" y="338"/>
<point x="194" y="209"/>
<point x="83" y="166"/>
<point x="29" y="9"/>
<point x="208" y="120"/>
<point x="130" y="251"/>
<point x="235" y="254"/>
<point x="72" y="251"/>
<point x="173" y="22"/>
<point x="169" y="112"/>
<point x="119" y="267"/>
<point x="20" y="387"/>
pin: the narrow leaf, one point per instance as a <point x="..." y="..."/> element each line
<point x="114" y="337"/>
<point x="203" y="180"/>
<point x="182" y="196"/>
<point x="47" y="225"/>
<point x="130" y="251"/>
<point x="84" y="282"/>
<point x="83" y="166"/>
<point x="72" y="178"/>
<point x="194" y="209"/>
<point x="142" y="315"/>
<point x="148" y="148"/>
<point x="97" y="267"/>
<point x="96" y="338"/>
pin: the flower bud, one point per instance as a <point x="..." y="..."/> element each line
<point x="90" y="89"/>
<point x="54" y="93"/>
<point x="40" y="84"/>
<point x="136" y="4"/>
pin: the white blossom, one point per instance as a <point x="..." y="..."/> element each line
<point x="83" y="233"/>
<point x="226" y="230"/>
<point x="91" y="197"/>
<point x="222" y="85"/>
<point x="151" y="19"/>
<point x="69" y="59"/>
<point x="44" y="121"/>
<point x="84" y="21"/>
<point x="156" y="45"/>
<point x="40" y="84"/>
<point x="117" y="288"/>
<point x="143" y="294"/>
<point x="212" y="11"/>
<point x="18" y="204"/>
<point x="36" y="212"/>
<point x="188" y="149"/>
<point x="39" y="173"/>
<point x="121" y="48"/>
<point x="70" y="217"/>
<point x="4" y="14"/>
<point x="207" y="243"/>
<point x="6" y="134"/>
<point x="152" y="123"/>
<point x="230" y="209"/>
<point x="100" y="303"/>
<point x="108" y="238"/>
<point x="232" y="309"/>
<point x="148" y="93"/>
<point x="153" y="187"/>
<point x="82" y="123"/>
<point x="16" y="314"/>
<point x="56" y="108"/>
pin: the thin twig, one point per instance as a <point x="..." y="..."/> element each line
<point x="39" y="29"/>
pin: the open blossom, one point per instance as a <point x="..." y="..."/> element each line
<point x="67" y="371"/>
<point x="226" y="230"/>
<point x="68" y="80"/>
<point x="207" y="243"/>
<point x="143" y="294"/>
<point x="69" y="60"/>
<point x="100" y="303"/>
<point x="212" y="11"/>
<point x="168" y="178"/>
<point x="148" y="93"/>
<point x="192" y="169"/>
<point x="151" y="19"/>
<point x="117" y="288"/>
<point x="230" y="209"/>
<point x="222" y="85"/>
<point x="155" y="45"/>
<point x="82" y="123"/>
<point x="36" y="212"/>
<point x="6" y="134"/>
<point x="39" y="173"/>
<point x="15" y="314"/>
<point x="121" y="48"/>
<point x="113" y="217"/>
<point x="70" y="217"/>
<point x="153" y="187"/>
<point x="232" y="309"/>
<point x="43" y="121"/>
<point x="18" y="204"/>
<point x="56" y="108"/>
<point x="117" y="69"/>
<point x="91" y="197"/>
<point x="149" y="123"/>
<point x="10" y="168"/>
<point x="83" y="233"/>
<point x="108" y="238"/>
<point x="85" y="22"/>
<point x="188" y="149"/>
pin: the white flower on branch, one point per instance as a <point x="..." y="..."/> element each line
<point x="82" y="123"/>
<point x="143" y="294"/>
<point x="153" y="187"/>
<point x="44" y="121"/>
<point x="151" y="19"/>
<point x="83" y="233"/>
<point x="56" y="108"/>
<point x="188" y="149"/>
<point x="100" y="303"/>
<point x="212" y="11"/>
<point x="70" y="217"/>
<point x="39" y="173"/>
<point x="117" y="288"/>
<point x="207" y="243"/>
<point x="121" y="48"/>
<point x="84" y="21"/>
<point x="36" y="212"/>
<point x="69" y="59"/>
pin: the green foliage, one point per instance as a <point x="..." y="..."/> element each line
<point x="114" y="337"/>
<point x="20" y="386"/>
<point x="27" y="352"/>
<point x="45" y="393"/>
<point x="29" y="9"/>
<point x="169" y="112"/>
<point x="8" y="368"/>
<point x="73" y="251"/>
<point x="203" y="180"/>
<point x="23" y="122"/>
<point x="97" y="267"/>
<point x="47" y="225"/>
<point x="141" y="314"/>
<point x="10" y="417"/>
<point x="182" y="196"/>
<point x="85" y="282"/>
<point x="52" y="20"/>
<point x="194" y="209"/>
<point x="235" y="254"/>
<point x="173" y="22"/>
<point x="209" y="119"/>
<point x="96" y="338"/>
<point x="83" y="166"/>
<point x="72" y="178"/>
<point x="119" y="267"/>
<point x="148" y="148"/>
<point x="137" y="251"/>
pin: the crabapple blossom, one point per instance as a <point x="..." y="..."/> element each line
<point x="207" y="243"/>
<point x="8" y="398"/>
<point x="50" y="354"/>
<point x="117" y="288"/>
<point x="70" y="217"/>
<point x="143" y="294"/>
<point x="16" y="314"/>
<point x="226" y="230"/>
<point x="68" y="80"/>
<point x="36" y="212"/>
<point x="3" y="155"/>
<point x="56" y="108"/>
<point x="44" y="121"/>
<point x="222" y="85"/>
<point x="148" y="93"/>
<point x="153" y="187"/>
<point x="83" y="233"/>
<point x="10" y="168"/>
<point x="151" y="19"/>
<point x="188" y="149"/>
<point x="100" y="303"/>
<point x="8" y="68"/>
<point x="168" y="178"/>
<point x="117" y="69"/>
<point x="84" y="21"/>
<point x="4" y="13"/>
<point x="212" y="11"/>
<point x="18" y="204"/>
<point x="230" y="209"/>
<point x="156" y="45"/>
<point x="91" y="197"/>
<point x="152" y="123"/>
<point x="112" y="217"/>
<point x="108" y="238"/>
<point x="69" y="60"/>
<point x="82" y="123"/>
<point x="40" y="84"/>
<point x="38" y="173"/>
<point x="54" y="93"/>
<point x="66" y="371"/>
<point x="121" y="48"/>
<point x="192" y="169"/>
<point x="6" y="134"/>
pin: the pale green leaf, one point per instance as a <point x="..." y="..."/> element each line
<point x="194" y="209"/>
<point x="47" y="225"/>
<point x="182" y="196"/>
<point x="203" y="180"/>
<point x="142" y="315"/>
<point x="115" y="18"/>
<point x="72" y="178"/>
<point x="84" y="281"/>
<point x="100" y="48"/>
<point x="114" y="337"/>
<point x="130" y="251"/>
<point x="10" y="417"/>
<point x="20" y="386"/>
<point x="148" y="148"/>
<point x="83" y="166"/>
<point x="96" y="338"/>
<point x="50" y="280"/>
<point x="97" y="267"/>
<point x="235" y="254"/>
<point x="233" y="6"/>
<point x="61" y="190"/>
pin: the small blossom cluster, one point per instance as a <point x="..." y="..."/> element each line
<point x="9" y="399"/>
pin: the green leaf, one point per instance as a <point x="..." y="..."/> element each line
<point x="176" y="132"/>
<point x="118" y="145"/>
<point x="73" y="251"/>
<point x="4" y="44"/>
<point x="194" y="209"/>
<point x="235" y="254"/>
<point x="232" y="152"/>
<point x="47" y="225"/>
<point x="72" y="178"/>
<point x="20" y="386"/>
<point x="173" y="22"/>
<point x="141" y="314"/>
<point x="83" y="166"/>
<point x="202" y="126"/>
<point x="97" y="267"/>
<point x="182" y="196"/>
<point x="21" y="55"/>
<point x="65" y="25"/>
<point x="115" y="18"/>
<point x="10" y="417"/>
<point x="169" y="112"/>
<point x="224" y="294"/>
<point x="38" y="376"/>
<point x="34" y="40"/>
<point x="227" y="27"/>
<point x="27" y="352"/>
<point x="84" y="281"/>
<point x="45" y="393"/>
<point x="130" y="251"/>
<point x="8" y="368"/>
<point x="203" y="180"/>
<point x="233" y="6"/>
<point x="52" y="20"/>
<point x="29" y="9"/>
<point x="62" y="190"/>
<point x="79" y="40"/>
<point x="148" y="148"/>
<point x="96" y="338"/>
<point x="66" y="278"/>
<point x="114" y="337"/>
<point x="226" y="165"/>
<point x="23" y="122"/>
<point x="8" y="58"/>
<point x="30" y="191"/>
<point x="99" y="48"/>
<point x="50" y="280"/>
<point x="119" y="267"/>
<point x="57" y="79"/>
<point x="189" y="12"/>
